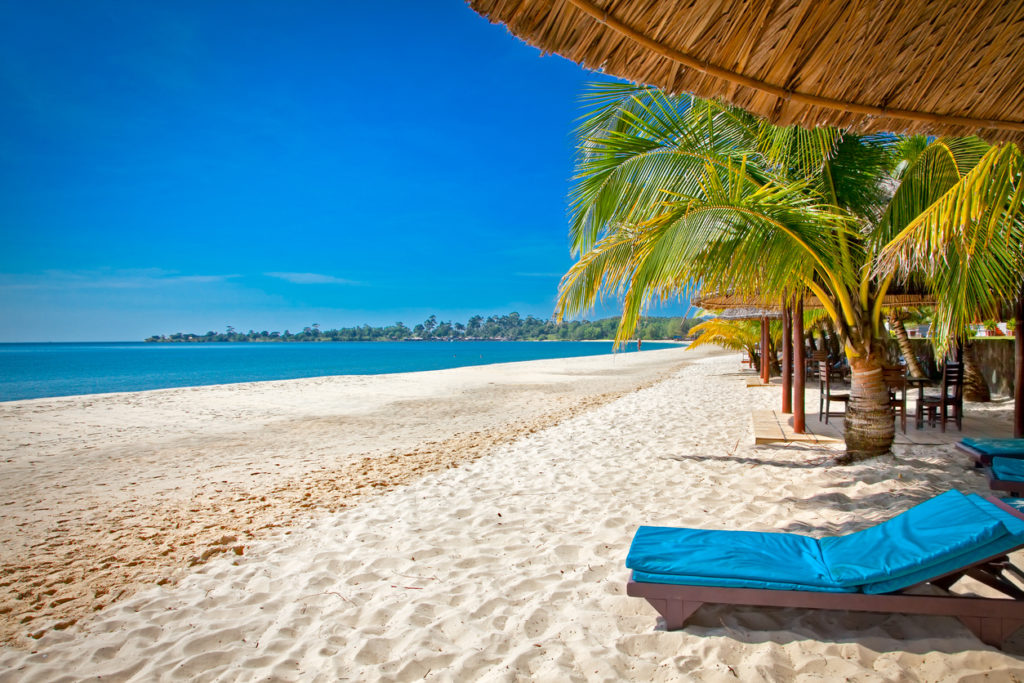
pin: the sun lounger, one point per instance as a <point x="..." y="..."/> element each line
<point x="983" y="450"/>
<point x="937" y="543"/>
<point x="1006" y="474"/>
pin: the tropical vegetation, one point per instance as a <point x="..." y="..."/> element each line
<point x="745" y="335"/>
<point x="671" y="191"/>
<point x="510" y="327"/>
<point x="738" y="335"/>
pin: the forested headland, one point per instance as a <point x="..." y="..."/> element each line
<point x="510" y="327"/>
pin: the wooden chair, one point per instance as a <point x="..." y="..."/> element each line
<point x="835" y="369"/>
<point x="813" y="361"/>
<point x="825" y="393"/>
<point x="949" y="405"/>
<point x="896" y="381"/>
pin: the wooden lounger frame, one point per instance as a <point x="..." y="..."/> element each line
<point x="980" y="458"/>
<point x="991" y="619"/>
<point x="1014" y="488"/>
<point x="984" y="460"/>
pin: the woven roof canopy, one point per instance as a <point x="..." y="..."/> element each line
<point x="749" y="314"/>
<point x="725" y="302"/>
<point x="914" y="66"/>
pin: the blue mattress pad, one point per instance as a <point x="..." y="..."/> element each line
<point x="933" y="538"/>
<point x="1005" y="447"/>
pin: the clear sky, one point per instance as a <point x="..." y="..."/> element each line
<point x="186" y="166"/>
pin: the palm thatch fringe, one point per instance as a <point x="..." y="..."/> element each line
<point x="739" y="301"/>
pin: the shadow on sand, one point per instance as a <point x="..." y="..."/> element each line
<point x="877" y="632"/>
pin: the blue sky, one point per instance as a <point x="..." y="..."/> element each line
<point x="187" y="166"/>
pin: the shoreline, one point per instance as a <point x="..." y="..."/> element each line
<point x="612" y="355"/>
<point x="109" y="493"/>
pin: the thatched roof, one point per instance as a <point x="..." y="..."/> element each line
<point x="724" y="302"/>
<point x="749" y="314"/>
<point x="915" y="66"/>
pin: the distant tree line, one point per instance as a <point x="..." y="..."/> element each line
<point x="511" y="327"/>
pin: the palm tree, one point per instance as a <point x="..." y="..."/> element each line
<point x="898" y="316"/>
<point x="674" y="190"/>
<point x="975" y="387"/>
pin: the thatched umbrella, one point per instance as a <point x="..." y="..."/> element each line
<point x="917" y="66"/>
<point x="763" y="315"/>
<point x="739" y="307"/>
<point x="717" y="301"/>
<point x="751" y="313"/>
<point x="792" y="331"/>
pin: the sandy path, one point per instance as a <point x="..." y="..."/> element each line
<point x="106" y="494"/>
<point x="511" y="568"/>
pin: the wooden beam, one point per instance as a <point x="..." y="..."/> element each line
<point x="766" y="366"/>
<point x="787" y="359"/>
<point x="799" y="365"/>
<point x="1018" y="368"/>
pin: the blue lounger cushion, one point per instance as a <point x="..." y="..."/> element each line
<point x="741" y="558"/>
<point x="1010" y="447"/>
<point x="683" y="580"/>
<point x="1008" y="469"/>
<point x="938" y="536"/>
<point x="997" y="546"/>
<point x="1016" y="503"/>
<point x="944" y="526"/>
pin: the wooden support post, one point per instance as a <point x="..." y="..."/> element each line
<point x="799" y="364"/>
<point x="761" y="352"/>
<point x="787" y="359"/>
<point x="1018" y="368"/>
<point x="766" y="366"/>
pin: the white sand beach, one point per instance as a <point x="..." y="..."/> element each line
<point x="104" y="494"/>
<point x="496" y="553"/>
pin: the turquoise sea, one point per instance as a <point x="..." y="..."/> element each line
<point x="40" y="370"/>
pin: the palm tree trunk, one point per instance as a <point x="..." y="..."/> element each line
<point x="975" y="386"/>
<point x="831" y="339"/>
<point x="822" y="340"/>
<point x="755" y="358"/>
<point x="903" y="339"/>
<point x="870" y="425"/>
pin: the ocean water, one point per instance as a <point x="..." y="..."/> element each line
<point x="40" y="370"/>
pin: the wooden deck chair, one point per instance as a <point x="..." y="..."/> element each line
<point x="937" y="543"/>
<point x="825" y="396"/>
<point x="896" y="381"/>
<point x="949" y="405"/>
<point x="1006" y="474"/>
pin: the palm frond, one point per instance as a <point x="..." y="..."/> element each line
<point x="636" y="143"/>
<point x="732" y="235"/>
<point x="738" y="335"/>
<point x="924" y="179"/>
<point x="967" y="244"/>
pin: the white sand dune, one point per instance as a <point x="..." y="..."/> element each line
<point x="511" y="567"/>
